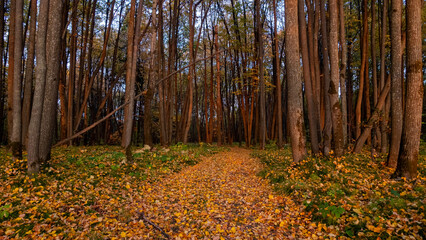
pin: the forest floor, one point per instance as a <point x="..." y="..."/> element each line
<point x="207" y="192"/>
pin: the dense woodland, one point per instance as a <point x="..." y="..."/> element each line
<point x="325" y="76"/>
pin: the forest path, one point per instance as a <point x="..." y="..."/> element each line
<point x="223" y="198"/>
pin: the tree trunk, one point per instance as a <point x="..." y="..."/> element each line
<point x="17" y="80"/>
<point x="277" y="63"/>
<point x="307" y="77"/>
<point x="72" y="71"/>
<point x="262" y="116"/>
<point x="26" y="104"/>
<point x="11" y="68"/>
<point x="2" y="75"/>
<point x="343" y="56"/>
<point x="334" y="84"/>
<point x="376" y="131"/>
<point x="295" y="103"/>
<point x="326" y="85"/>
<point x="132" y="51"/>
<point x="383" y="126"/>
<point x="362" y="70"/>
<point x="410" y="142"/>
<point x="218" y="96"/>
<point x="396" y="89"/>
<point x="53" y="53"/>
<point x="372" y="120"/>
<point x="40" y="75"/>
<point x="188" y="113"/>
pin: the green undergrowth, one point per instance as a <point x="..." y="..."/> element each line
<point x="352" y="196"/>
<point x="81" y="184"/>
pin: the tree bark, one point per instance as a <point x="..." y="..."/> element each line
<point x="374" y="117"/>
<point x="384" y="134"/>
<point x="262" y="116"/>
<point x="10" y="73"/>
<point x="132" y="50"/>
<point x="295" y="105"/>
<point x="343" y="55"/>
<point x="277" y="63"/>
<point x="29" y="68"/>
<point x="40" y="81"/>
<point x="376" y="131"/>
<point x="326" y="83"/>
<point x="410" y="142"/>
<point x="218" y="90"/>
<point x="53" y="52"/>
<point x="17" y="82"/>
<point x="362" y="70"/>
<point x="307" y="77"/>
<point x="2" y="75"/>
<point x="396" y="86"/>
<point x="332" y="91"/>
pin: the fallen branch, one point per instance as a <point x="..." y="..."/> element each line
<point x="142" y="217"/>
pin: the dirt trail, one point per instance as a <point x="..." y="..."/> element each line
<point x="222" y="197"/>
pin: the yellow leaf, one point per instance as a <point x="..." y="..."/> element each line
<point x="233" y="230"/>
<point x="277" y="210"/>
<point x="377" y="229"/>
<point x="123" y="234"/>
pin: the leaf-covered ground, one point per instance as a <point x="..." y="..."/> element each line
<point x="206" y="192"/>
<point x="86" y="192"/>
<point x="353" y="196"/>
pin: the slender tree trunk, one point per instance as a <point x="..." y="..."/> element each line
<point x="410" y="142"/>
<point x="262" y="116"/>
<point x="344" y="52"/>
<point x="40" y="81"/>
<point x="396" y="86"/>
<point x="188" y="113"/>
<point x="71" y="79"/>
<point x="277" y="63"/>
<point x="334" y="83"/>
<point x="132" y="50"/>
<point x="307" y="77"/>
<point x="50" y="103"/>
<point x="26" y="104"/>
<point x="376" y="131"/>
<point x="351" y="122"/>
<point x="162" y="87"/>
<point x="2" y="76"/>
<point x="295" y="103"/>
<point x="17" y="82"/>
<point x="383" y="126"/>
<point x="218" y="95"/>
<point x="374" y="117"/>
<point x="11" y="68"/>
<point x="362" y="70"/>
<point x="327" y="107"/>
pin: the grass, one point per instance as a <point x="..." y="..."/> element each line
<point x="72" y="194"/>
<point x="353" y="195"/>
